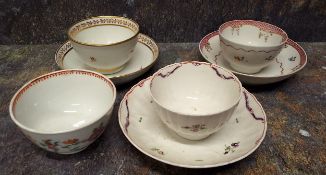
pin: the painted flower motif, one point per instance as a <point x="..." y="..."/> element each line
<point x="260" y="35"/>
<point x="195" y="128"/>
<point x="235" y="144"/>
<point x="236" y="28"/>
<point x="72" y="144"/>
<point x="208" y="47"/>
<point x="158" y="151"/>
<point x="92" y="59"/>
<point x="195" y="64"/>
<point x="265" y="35"/>
<point x="238" y="58"/>
<point x="96" y="133"/>
<point x="292" y="58"/>
<point x="71" y="141"/>
<point x="50" y="144"/>
<point x="231" y="148"/>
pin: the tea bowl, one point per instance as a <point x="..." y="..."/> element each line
<point x="250" y="45"/>
<point x="195" y="99"/>
<point x="105" y="43"/>
<point x="64" y="111"/>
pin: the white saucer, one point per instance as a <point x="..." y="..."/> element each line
<point x="290" y="60"/>
<point x="145" y="54"/>
<point x="240" y="136"/>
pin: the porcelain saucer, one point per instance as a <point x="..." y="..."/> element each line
<point x="145" y="55"/>
<point x="238" y="138"/>
<point x="290" y="60"/>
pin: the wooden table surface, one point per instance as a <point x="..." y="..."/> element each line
<point x="295" y="142"/>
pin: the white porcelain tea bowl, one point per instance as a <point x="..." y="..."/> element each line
<point x="64" y="111"/>
<point x="249" y="45"/>
<point x="237" y="139"/>
<point x="145" y="55"/>
<point x="105" y="43"/>
<point x="291" y="60"/>
<point x="195" y="99"/>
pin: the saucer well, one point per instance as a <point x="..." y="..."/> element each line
<point x="290" y="60"/>
<point x="145" y="55"/>
<point x="238" y="138"/>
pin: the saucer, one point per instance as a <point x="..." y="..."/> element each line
<point x="145" y="54"/>
<point x="238" y="138"/>
<point x="290" y="60"/>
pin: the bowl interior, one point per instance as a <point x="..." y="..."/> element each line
<point x="253" y="33"/>
<point x="195" y="89"/>
<point x="63" y="102"/>
<point x="104" y="34"/>
<point x="103" y="30"/>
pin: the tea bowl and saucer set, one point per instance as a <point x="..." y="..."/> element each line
<point x="122" y="55"/>
<point x="212" y="123"/>
<point x="65" y="111"/>
<point x="236" y="42"/>
<point x="190" y="114"/>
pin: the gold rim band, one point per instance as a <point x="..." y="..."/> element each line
<point x="66" y="47"/>
<point x="101" y="21"/>
<point x="112" y="70"/>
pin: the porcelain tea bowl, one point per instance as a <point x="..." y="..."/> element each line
<point x="195" y="99"/>
<point x="64" y="111"/>
<point x="105" y="43"/>
<point x="249" y="45"/>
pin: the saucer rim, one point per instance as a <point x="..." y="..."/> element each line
<point x="255" y="75"/>
<point x="122" y="127"/>
<point x="115" y="78"/>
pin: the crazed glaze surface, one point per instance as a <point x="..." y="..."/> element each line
<point x="240" y="136"/>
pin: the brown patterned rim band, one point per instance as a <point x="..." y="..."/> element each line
<point x="302" y="54"/>
<point x="149" y="43"/>
<point x="261" y="25"/>
<point x="56" y="74"/>
<point x="100" y="21"/>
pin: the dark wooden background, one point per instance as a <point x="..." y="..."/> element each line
<point x="46" y="21"/>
